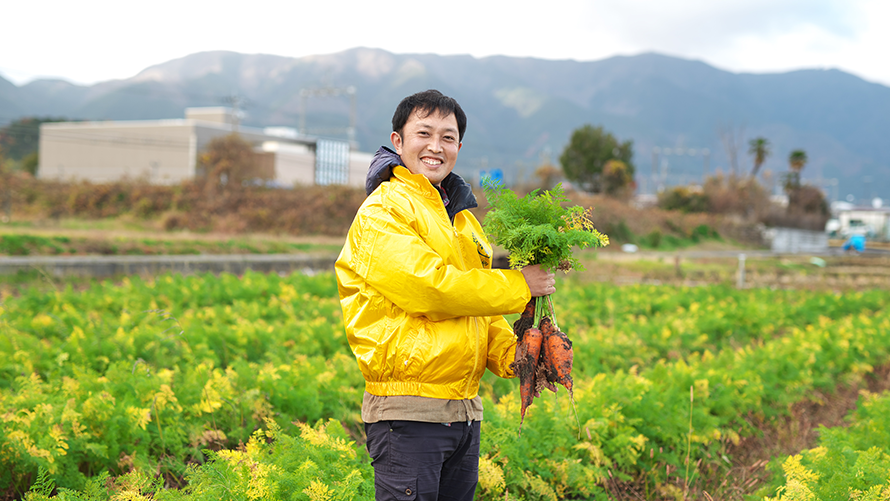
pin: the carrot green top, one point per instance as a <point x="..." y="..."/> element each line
<point x="537" y="229"/>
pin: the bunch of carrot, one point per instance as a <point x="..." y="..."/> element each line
<point x="543" y="355"/>
<point x="540" y="229"/>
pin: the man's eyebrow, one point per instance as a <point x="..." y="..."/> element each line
<point x="430" y="126"/>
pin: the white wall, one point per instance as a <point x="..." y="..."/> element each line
<point x="159" y="152"/>
<point x="794" y="241"/>
<point x="294" y="163"/>
<point x="359" y="162"/>
<point x="876" y="220"/>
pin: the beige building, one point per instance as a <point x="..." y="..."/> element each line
<point x="166" y="151"/>
<point x="873" y="222"/>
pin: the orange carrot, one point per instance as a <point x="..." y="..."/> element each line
<point x="561" y="359"/>
<point x="525" y="320"/>
<point x="558" y="355"/>
<point x="543" y="359"/>
<point x="544" y="374"/>
<point x="547" y="330"/>
<point x="530" y="347"/>
<point x="541" y="375"/>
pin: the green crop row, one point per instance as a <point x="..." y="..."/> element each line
<point x="149" y="376"/>
<point x="25" y="244"/>
<point x="644" y="324"/>
<point x="851" y="462"/>
<point x="648" y="424"/>
<point x="110" y="379"/>
<point x="22" y="245"/>
<point x="321" y="464"/>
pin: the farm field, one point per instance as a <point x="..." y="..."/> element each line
<point x="209" y="387"/>
<point x="36" y="241"/>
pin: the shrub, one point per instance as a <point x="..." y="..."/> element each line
<point x="743" y="196"/>
<point x="325" y="210"/>
<point x="618" y="181"/>
<point x="684" y="199"/>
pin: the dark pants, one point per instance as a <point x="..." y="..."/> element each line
<point x="424" y="461"/>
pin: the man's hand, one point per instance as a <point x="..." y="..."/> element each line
<point x="540" y="281"/>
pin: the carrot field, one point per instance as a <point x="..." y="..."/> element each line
<point x="228" y="387"/>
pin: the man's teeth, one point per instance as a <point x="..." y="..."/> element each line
<point x="431" y="161"/>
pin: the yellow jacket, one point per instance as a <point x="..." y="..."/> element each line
<point x="422" y="306"/>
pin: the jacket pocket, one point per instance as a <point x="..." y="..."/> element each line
<point x="420" y="352"/>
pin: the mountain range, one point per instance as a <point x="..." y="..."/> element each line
<point x="522" y="111"/>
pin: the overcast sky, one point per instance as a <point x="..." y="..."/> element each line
<point x="89" y="41"/>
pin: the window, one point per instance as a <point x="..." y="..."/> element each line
<point x="331" y="162"/>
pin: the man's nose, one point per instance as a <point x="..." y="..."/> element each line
<point x="435" y="145"/>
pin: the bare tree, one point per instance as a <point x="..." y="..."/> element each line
<point x="732" y="138"/>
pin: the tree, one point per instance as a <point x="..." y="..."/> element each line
<point x="803" y="199"/>
<point x="228" y="161"/>
<point x="759" y="149"/>
<point x="796" y="161"/>
<point x="587" y="153"/>
<point x="732" y="137"/>
<point x="22" y="137"/>
<point x="618" y="182"/>
<point x="30" y="163"/>
<point x="683" y="199"/>
<point x="548" y="174"/>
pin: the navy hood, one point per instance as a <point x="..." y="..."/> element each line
<point x="460" y="193"/>
<point x="381" y="168"/>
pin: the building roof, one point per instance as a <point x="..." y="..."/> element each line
<point x="178" y="122"/>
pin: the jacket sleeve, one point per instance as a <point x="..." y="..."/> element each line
<point x="501" y="348"/>
<point x="392" y="258"/>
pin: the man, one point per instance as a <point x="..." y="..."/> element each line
<point x="423" y="308"/>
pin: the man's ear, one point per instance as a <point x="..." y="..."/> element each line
<point x="396" y="140"/>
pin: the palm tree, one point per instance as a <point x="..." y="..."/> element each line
<point x="759" y="148"/>
<point x="797" y="159"/>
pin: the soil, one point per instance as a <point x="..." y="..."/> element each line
<point x="745" y="471"/>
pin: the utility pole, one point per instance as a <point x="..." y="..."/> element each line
<point x="678" y="152"/>
<point x="655" y="151"/>
<point x="329" y="91"/>
<point x="706" y="156"/>
<point x="236" y="102"/>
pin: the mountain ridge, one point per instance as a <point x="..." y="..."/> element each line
<point x="521" y="109"/>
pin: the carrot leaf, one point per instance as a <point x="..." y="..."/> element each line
<point x="537" y="228"/>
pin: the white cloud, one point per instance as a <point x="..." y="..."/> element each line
<point x="95" y="40"/>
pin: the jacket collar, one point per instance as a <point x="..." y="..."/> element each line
<point x="459" y="192"/>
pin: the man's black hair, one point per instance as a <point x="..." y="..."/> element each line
<point x="426" y="103"/>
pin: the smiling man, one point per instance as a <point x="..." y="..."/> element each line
<point x="423" y="309"/>
<point x="428" y="144"/>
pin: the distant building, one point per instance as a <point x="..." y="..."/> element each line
<point x="797" y="241"/>
<point x="873" y="222"/>
<point x="166" y="151"/>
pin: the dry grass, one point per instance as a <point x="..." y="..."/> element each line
<point x="302" y="211"/>
<point x="311" y="210"/>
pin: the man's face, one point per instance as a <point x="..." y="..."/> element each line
<point x="428" y="145"/>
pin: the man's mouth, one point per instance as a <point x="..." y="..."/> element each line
<point x="431" y="161"/>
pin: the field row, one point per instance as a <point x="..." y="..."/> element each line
<point x="851" y="462"/>
<point x="25" y="244"/>
<point x="149" y="376"/>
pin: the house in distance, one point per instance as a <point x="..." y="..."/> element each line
<point x="166" y="151"/>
